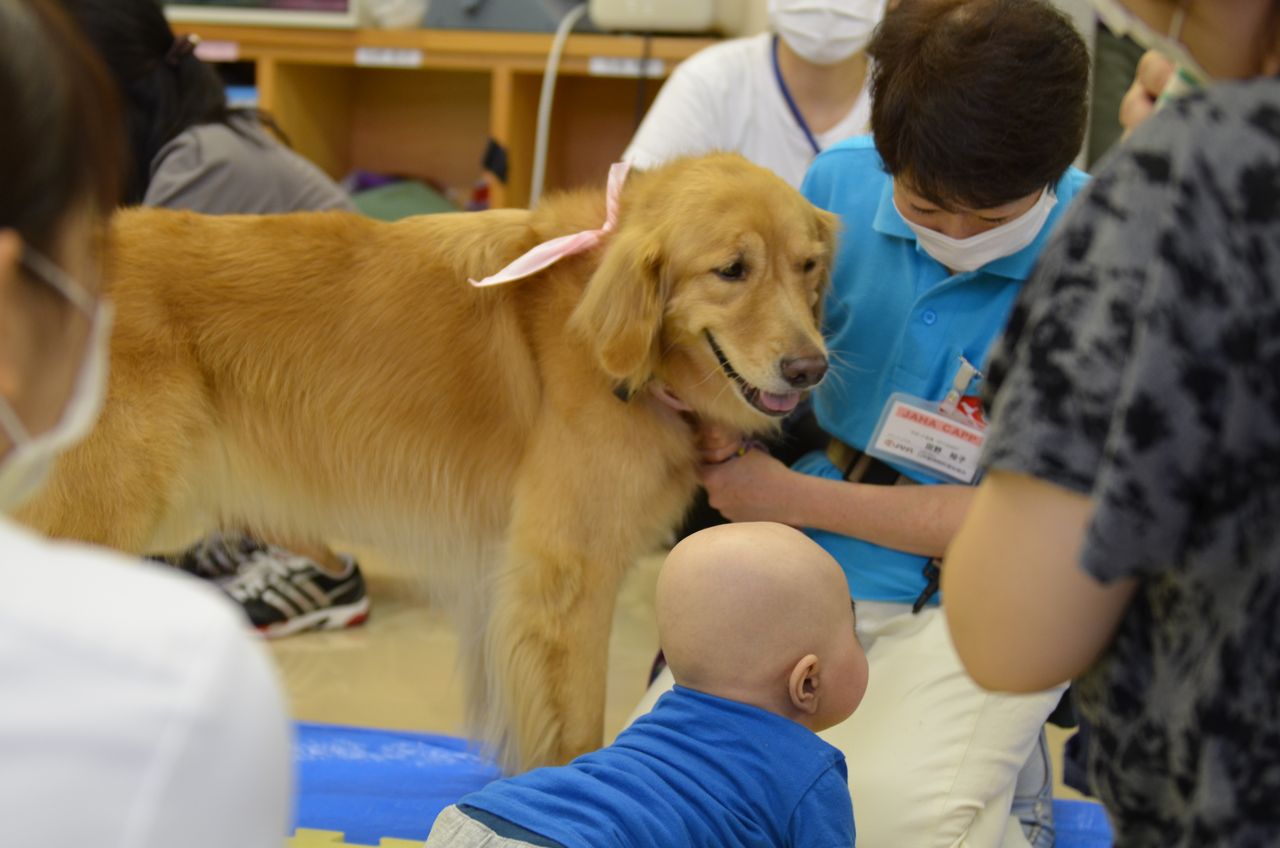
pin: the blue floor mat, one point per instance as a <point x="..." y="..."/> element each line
<point x="371" y="784"/>
<point x="1081" y="824"/>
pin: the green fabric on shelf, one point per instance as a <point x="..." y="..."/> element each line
<point x="401" y="200"/>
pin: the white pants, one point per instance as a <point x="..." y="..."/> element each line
<point x="932" y="758"/>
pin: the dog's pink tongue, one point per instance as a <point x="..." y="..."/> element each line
<point x="779" y="403"/>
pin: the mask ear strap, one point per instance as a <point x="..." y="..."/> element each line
<point x="1179" y="19"/>
<point x="55" y="278"/>
<point x="12" y="424"/>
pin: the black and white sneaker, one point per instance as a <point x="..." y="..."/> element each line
<point x="217" y="556"/>
<point x="284" y="593"/>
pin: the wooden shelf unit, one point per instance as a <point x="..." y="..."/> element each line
<point x="426" y="102"/>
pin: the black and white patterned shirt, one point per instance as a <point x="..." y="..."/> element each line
<point x="1141" y="366"/>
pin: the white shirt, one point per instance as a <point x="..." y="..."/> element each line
<point x="136" y="709"/>
<point x="727" y="97"/>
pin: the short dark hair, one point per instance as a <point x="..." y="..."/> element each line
<point x="62" y="144"/>
<point x="977" y="103"/>
<point x="165" y="90"/>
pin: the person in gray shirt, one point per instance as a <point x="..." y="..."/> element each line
<point x="190" y="150"/>
<point x="235" y="167"/>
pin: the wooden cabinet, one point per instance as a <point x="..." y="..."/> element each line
<point x="426" y="103"/>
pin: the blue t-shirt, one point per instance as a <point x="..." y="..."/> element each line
<point x="697" y="771"/>
<point x="897" y="321"/>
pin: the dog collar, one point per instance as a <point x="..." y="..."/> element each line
<point x="550" y="252"/>
<point x="660" y="390"/>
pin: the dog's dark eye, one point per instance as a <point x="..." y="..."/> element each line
<point x="810" y="264"/>
<point x="733" y="272"/>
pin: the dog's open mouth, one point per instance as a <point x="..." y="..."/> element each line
<point x="767" y="402"/>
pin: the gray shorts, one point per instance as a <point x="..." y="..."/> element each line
<point x="456" y="829"/>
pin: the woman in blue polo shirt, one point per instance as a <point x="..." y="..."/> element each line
<point x="978" y="109"/>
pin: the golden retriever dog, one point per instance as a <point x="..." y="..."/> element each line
<point x="329" y="376"/>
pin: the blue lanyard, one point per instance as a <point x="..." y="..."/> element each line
<point x="791" y="103"/>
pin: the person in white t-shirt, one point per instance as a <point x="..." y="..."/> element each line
<point x="138" y="709"/>
<point x="779" y="98"/>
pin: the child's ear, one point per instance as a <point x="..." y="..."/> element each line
<point x="805" y="683"/>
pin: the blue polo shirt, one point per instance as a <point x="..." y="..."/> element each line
<point x="696" y="771"/>
<point x="897" y="321"/>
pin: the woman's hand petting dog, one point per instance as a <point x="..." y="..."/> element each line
<point x="750" y="487"/>
<point x="717" y="444"/>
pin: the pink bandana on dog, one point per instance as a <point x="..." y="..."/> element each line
<point x="550" y="252"/>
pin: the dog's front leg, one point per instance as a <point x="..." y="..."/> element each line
<point x="575" y="529"/>
<point x="548" y="640"/>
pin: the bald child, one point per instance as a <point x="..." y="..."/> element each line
<point x="757" y="627"/>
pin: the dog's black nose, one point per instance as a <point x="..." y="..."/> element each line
<point x="804" y="371"/>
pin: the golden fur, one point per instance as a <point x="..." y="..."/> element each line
<point x="328" y="376"/>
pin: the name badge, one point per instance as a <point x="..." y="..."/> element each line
<point x="916" y="433"/>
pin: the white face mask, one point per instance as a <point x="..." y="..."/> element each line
<point x="972" y="253"/>
<point x="24" y="469"/>
<point x="825" y="31"/>
<point x="1190" y="74"/>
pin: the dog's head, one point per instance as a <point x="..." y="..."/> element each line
<point x="713" y="284"/>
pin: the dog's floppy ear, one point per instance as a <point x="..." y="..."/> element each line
<point x="620" y="313"/>
<point x="828" y="226"/>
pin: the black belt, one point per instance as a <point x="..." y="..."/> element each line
<point x="856" y="466"/>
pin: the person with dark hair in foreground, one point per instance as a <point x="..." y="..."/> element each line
<point x="1127" y="534"/>
<point x="978" y="109"/>
<point x="138" y="708"/>
<point x="190" y="150"/>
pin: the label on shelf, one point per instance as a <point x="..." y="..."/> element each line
<point x="218" y="51"/>
<point x="388" y="57"/>
<point x="242" y="96"/>
<point x="616" y="66"/>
